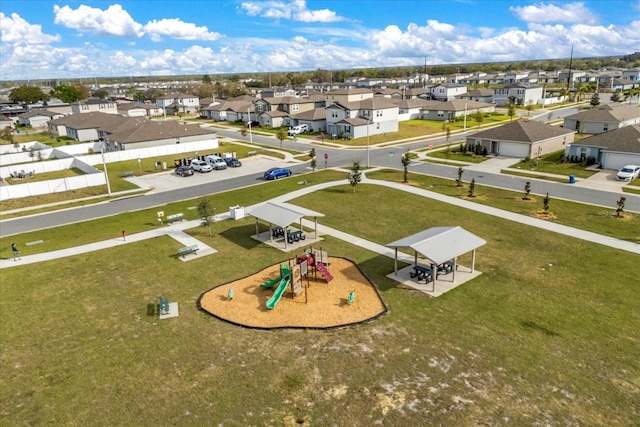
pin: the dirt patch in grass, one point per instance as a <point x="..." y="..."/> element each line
<point x="326" y="305"/>
<point x="543" y="215"/>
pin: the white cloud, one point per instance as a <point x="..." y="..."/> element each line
<point x="15" y="31"/>
<point x="114" y="21"/>
<point x="295" y="10"/>
<point x="567" y="13"/>
<point x="177" y="29"/>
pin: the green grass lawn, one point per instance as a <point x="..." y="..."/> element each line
<point x="547" y="334"/>
<point x="454" y="153"/>
<point x="551" y="163"/>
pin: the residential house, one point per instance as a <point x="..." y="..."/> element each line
<point x="515" y="76"/>
<point x="517" y="93"/>
<point x="177" y="102"/>
<point x="85" y="127"/>
<point x="345" y="96"/>
<point x="389" y="93"/>
<point x="38" y="118"/>
<point x="479" y="95"/>
<point x="272" y="119"/>
<point x="522" y="139"/>
<point x="409" y="109"/>
<point x="621" y="84"/>
<point x="316" y="119"/>
<point x="612" y="150"/>
<point x="370" y="116"/>
<point x="94" y="105"/>
<point x="5" y="122"/>
<point x="276" y="92"/>
<point x="603" y="118"/>
<point x="146" y="133"/>
<point x="447" y="111"/>
<point x="631" y="74"/>
<point x="231" y="111"/>
<point x="288" y="104"/>
<point x="416" y="92"/>
<point x="447" y="91"/>
<point x="139" y="109"/>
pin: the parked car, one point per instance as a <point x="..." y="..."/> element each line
<point x="216" y="162"/>
<point x="184" y="170"/>
<point x="201" y="166"/>
<point x="298" y="129"/>
<point x="233" y="162"/>
<point x="275" y="173"/>
<point x="628" y="173"/>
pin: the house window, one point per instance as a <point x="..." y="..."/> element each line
<point x="440" y="113"/>
<point x="379" y="113"/>
<point x="605" y="127"/>
<point x="84" y="107"/>
<point x="334" y="114"/>
<point x="295" y="107"/>
<point x="102" y="106"/>
<point x="260" y="107"/>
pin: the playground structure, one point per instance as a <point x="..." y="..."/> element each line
<point x="291" y="274"/>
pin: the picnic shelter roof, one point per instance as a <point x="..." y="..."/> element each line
<point x="281" y="214"/>
<point x="440" y="244"/>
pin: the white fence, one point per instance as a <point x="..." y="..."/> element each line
<point x="93" y="177"/>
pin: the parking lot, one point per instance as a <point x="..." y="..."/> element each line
<point x="168" y="180"/>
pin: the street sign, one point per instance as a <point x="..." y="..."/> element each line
<point x="430" y="146"/>
<point x="391" y="153"/>
<point x="326" y="156"/>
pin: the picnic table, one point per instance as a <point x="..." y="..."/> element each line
<point x="445" y="267"/>
<point x="277" y="232"/>
<point x="295" y="236"/>
<point x="422" y="273"/>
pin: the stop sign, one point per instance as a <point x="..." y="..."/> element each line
<point x="326" y="156"/>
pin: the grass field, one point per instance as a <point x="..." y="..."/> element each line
<point x="548" y="334"/>
<point x="551" y="163"/>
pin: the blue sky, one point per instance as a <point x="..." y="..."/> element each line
<point x="81" y="39"/>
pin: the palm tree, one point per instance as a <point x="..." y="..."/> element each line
<point x="631" y="93"/>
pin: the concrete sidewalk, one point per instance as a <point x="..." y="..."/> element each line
<point x="176" y="230"/>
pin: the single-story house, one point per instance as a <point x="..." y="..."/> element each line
<point x="448" y="110"/>
<point x="612" y="150"/>
<point x="522" y="138"/>
<point x="603" y="118"/>
<point x="315" y="119"/>
<point x="38" y="118"/>
<point x="409" y="109"/>
<point x="480" y="95"/>
<point x="148" y="133"/>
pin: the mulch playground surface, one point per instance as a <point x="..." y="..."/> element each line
<point x="324" y="305"/>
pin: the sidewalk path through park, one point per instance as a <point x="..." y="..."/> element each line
<point x="176" y="231"/>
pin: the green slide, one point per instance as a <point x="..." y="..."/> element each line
<point x="269" y="283"/>
<point x="279" y="291"/>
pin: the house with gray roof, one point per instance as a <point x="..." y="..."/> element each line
<point x="139" y="109"/>
<point x="447" y="91"/>
<point x="84" y="127"/>
<point x="371" y="116"/>
<point x="522" y="139"/>
<point x="94" y="105"/>
<point x="316" y="119"/>
<point x="449" y="110"/>
<point x="178" y="102"/>
<point x="603" y="118"/>
<point x="38" y="118"/>
<point x="612" y="150"/>
<point x="143" y="133"/>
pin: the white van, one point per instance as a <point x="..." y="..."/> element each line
<point x="216" y="162"/>
<point x="298" y="129"/>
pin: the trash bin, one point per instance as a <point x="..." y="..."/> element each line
<point x="572" y="179"/>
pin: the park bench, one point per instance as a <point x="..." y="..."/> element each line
<point x="175" y="217"/>
<point x="164" y="305"/>
<point x="252" y="153"/>
<point x="186" y="250"/>
<point x="277" y="232"/>
<point x="127" y="174"/>
<point x="422" y="273"/>
<point x="295" y="236"/>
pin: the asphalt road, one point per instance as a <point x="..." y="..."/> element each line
<point x="380" y="157"/>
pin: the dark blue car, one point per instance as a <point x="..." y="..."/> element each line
<point x="232" y="162"/>
<point x="275" y="173"/>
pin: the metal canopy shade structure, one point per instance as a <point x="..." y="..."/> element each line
<point x="282" y="215"/>
<point x="439" y="244"/>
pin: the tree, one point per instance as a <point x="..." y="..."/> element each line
<point x="472" y="187"/>
<point x="66" y="93"/>
<point x="478" y="117"/>
<point x="620" y="208"/>
<point x="631" y="93"/>
<point x="314" y="162"/>
<point x="527" y="190"/>
<point x="206" y="79"/>
<point x="615" y="96"/>
<point x="101" y="93"/>
<point x="405" y="164"/>
<point x="206" y="212"/>
<point x="6" y="134"/>
<point x="355" y="176"/>
<point x="281" y="134"/>
<point x="595" y="100"/>
<point x="511" y="110"/>
<point x="459" y="180"/>
<point x="545" y="203"/>
<point x="27" y="95"/>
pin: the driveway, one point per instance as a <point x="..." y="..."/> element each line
<point x="602" y="180"/>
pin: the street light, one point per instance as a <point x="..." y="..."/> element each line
<point x="249" y="123"/>
<point x="104" y="165"/>
<point x="368" y="124"/>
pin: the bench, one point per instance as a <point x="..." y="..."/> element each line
<point x="175" y="217"/>
<point x="164" y="305"/>
<point x="295" y="236"/>
<point x="127" y="174"/>
<point x="186" y="250"/>
<point x="252" y="153"/>
<point x="422" y="273"/>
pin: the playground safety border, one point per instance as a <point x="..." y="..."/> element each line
<point x="319" y="328"/>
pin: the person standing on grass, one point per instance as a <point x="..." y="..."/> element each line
<point x="16" y="252"/>
<point x="124" y="236"/>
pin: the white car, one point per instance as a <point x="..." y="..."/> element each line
<point x="628" y="173"/>
<point x="200" y="166"/>
<point x="298" y="129"/>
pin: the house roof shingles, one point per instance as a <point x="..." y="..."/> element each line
<point x="607" y="113"/>
<point x="523" y="131"/>
<point x="625" y="139"/>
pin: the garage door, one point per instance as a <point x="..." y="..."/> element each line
<point x="514" y="150"/>
<point x="617" y="161"/>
